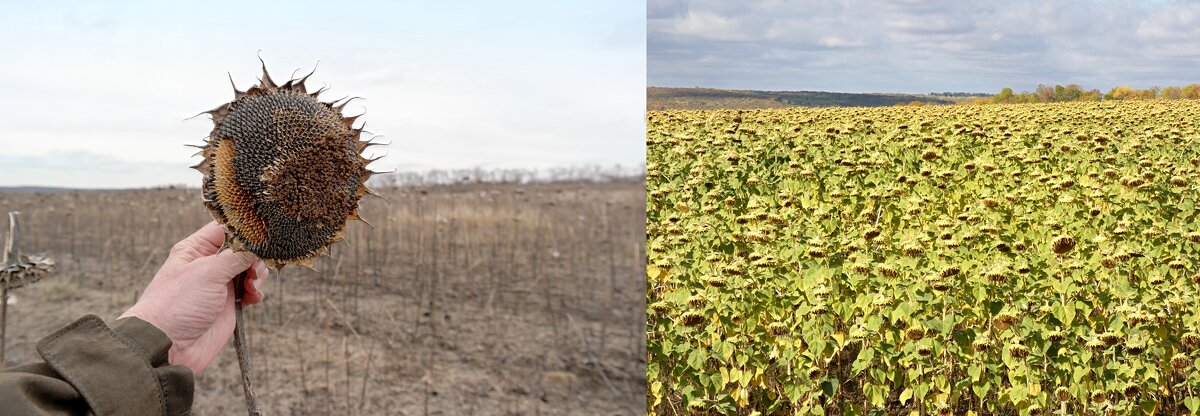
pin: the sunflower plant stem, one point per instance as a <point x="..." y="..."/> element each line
<point x="3" y="322"/>
<point x="9" y="255"/>
<point x="243" y="350"/>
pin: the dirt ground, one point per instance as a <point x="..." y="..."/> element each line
<point x="459" y="300"/>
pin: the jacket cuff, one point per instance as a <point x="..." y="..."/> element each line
<point x="177" y="381"/>
<point x="115" y="370"/>
<point x="149" y="339"/>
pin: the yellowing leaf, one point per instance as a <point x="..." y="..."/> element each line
<point x="655" y="273"/>
<point x="742" y="396"/>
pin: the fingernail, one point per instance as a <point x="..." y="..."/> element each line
<point x="254" y="282"/>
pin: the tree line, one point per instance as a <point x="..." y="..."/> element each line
<point x="960" y="94"/>
<point x="1073" y="92"/>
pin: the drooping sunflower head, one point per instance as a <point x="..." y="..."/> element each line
<point x="283" y="171"/>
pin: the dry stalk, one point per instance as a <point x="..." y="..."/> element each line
<point x="362" y="395"/>
<point x="241" y="344"/>
<point x="301" y="353"/>
<point x="10" y="252"/>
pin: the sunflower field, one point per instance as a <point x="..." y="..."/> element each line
<point x="989" y="259"/>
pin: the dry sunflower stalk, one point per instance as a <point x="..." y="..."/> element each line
<point x="17" y="270"/>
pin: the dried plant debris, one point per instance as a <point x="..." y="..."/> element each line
<point x="24" y="271"/>
<point x="283" y="171"/>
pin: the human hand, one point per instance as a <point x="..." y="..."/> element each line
<point x="191" y="297"/>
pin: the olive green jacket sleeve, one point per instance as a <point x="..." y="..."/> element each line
<point x="90" y="367"/>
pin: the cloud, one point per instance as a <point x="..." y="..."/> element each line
<point x="840" y="42"/>
<point x="707" y="25"/>
<point x="922" y="46"/>
<point x="933" y="25"/>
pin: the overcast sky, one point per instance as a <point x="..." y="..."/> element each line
<point x="921" y="46"/>
<point x="95" y="93"/>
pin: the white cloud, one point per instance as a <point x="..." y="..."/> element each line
<point x="707" y="25"/>
<point x="840" y="42"/>
<point x="929" y="24"/>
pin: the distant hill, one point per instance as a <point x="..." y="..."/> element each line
<point x="663" y="98"/>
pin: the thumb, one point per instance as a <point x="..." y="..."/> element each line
<point x="226" y="264"/>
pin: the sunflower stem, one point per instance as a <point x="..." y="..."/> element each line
<point x="243" y="350"/>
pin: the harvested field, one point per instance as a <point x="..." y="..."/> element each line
<point x="465" y="299"/>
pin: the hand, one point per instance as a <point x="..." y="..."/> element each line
<point x="191" y="297"/>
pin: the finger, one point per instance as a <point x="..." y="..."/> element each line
<point x="260" y="276"/>
<point x="254" y="281"/>
<point x="204" y="242"/>
<point x="252" y="298"/>
<point x="227" y="264"/>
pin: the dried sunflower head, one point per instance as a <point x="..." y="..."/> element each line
<point x="1180" y="361"/>
<point x="283" y="171"/>
<point x="660" y="308"/>
<point x="1004" y="320"/>
<point x="692" y="318"/>
<point x="925" y="350"/>
<point x="1018" y="351"/>
<point x="714" y="281"/>
<point x="777" y="328"/>
<point x="980" y="345"/>
<point x="1190" y="340"/>
<point x="1132" y="390"/>
<point x="1063" y="244"/>
<point x="1062" y="394"/>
